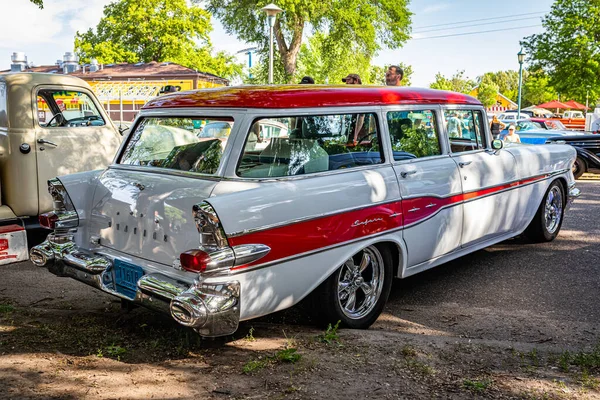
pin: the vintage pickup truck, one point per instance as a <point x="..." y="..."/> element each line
<point x="50" y="125"/>
<point x="364" y="184"/>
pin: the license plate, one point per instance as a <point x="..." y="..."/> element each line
<point x="126" y="277"/>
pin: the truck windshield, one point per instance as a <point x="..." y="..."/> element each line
<point x="180" y="143"/>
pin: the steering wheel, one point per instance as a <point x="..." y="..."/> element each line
<point x="56" y="117"/>
<point x="362" y="138"/>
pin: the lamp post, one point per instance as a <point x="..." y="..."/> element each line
<point x="272" y="10"/>
<point x="587" y="95"/>
<point x="521" y="58"/>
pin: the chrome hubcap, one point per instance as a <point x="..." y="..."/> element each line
<point x="554" y="209"/>
<point x="360" y="283"/>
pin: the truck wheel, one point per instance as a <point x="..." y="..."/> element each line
<point x="356" y="293"/>
<point x="548" y="219"/>
<point x="579" y="167"/>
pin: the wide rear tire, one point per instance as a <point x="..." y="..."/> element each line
<point x="549" y="217"/>
<point x="356" y="293"/>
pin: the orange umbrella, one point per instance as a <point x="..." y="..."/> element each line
<point x="554" y="104"/>
<point x="576" y="105"/>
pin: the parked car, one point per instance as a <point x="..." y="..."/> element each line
<point x="370" y="184"/>
<point x="534" y="132"/>
<point x="588" y="152"/>
<point x="50" y="124"/>
<point x="508" y="117"/>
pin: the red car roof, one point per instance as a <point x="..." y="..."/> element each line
<point x="296" y="96"/>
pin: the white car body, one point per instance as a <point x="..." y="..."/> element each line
<point x="424" y="211"/>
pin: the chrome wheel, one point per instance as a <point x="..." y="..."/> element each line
<point x="554" y="209"/>
<point x="360" y="283"/>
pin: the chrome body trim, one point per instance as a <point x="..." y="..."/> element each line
<point x="212" y="309"/>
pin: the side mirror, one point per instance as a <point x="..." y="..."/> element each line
<point x="497" y="144"/>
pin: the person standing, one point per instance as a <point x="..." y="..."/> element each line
<point x="512" y="137"/>
<point x="352" y="79"/>
<point x="496" y="126"/>
<point x="394" y="75"/>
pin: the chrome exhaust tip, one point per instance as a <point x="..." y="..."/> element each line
<point x="40" y="256"/>
<point x="189" y="310"/>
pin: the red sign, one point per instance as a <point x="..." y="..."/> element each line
<point x="3" y="244"/>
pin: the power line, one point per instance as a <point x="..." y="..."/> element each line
<point x="468" y="26"/>
<point x="480" y="19"/>
<point x="473" y="33"/>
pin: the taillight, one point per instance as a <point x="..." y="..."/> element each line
<point x="214" y="254"/>
<point x="64" y="216"/>
<point x="48" y="220"/>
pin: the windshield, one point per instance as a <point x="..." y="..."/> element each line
<point x="554" y="125"/>
<point x="180" y="143"/>
<point x="527" y="125"/>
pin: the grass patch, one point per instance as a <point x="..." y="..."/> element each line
<point x="589" y="361"/>
<point x="587" y="381"/>
<point x="419" y="367"/>
<point x="254" y="366"/>
<point x="287" y="355"/>
<point x="330" y="335"/>
<point x="477" y="385"/>
<point x="408" y="351"/>
<point x="6" y="308"/>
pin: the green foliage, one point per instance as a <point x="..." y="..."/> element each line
<point x="250" y="336"/>
<point x="115" y="351"/>
<point x="456" y="83"/>
<point x="39" y="3"/>
<point x="568" y="50"/>
<point x="477" y="385"/>
<point x="289" y="355"/>
<point x="254" y="366"/>
<point x="356" y="30"/>
<point x="537" y="89"/>
<point x="6" y="308"/>
<point x="154" y="30"/>
<point x="487" y="92"/>
<point x="507" y="82"/>
<point x="330" y="335"/>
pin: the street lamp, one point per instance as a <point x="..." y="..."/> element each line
<point x="587" y="95"/>
<point x="272" y="10"/>
<point x="521" y="58"/>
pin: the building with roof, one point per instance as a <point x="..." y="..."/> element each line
<point x="503" y="103"/>
<point x="124" y="88"/>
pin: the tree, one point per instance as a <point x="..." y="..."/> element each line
<point x="362" y="27"/>
<point x="537" y="90"/>
<point x="39" y="3"/>
<point x="154" y="30"/>
<point x="457" y="83"/>
<point x="568" y="51"/>
<point x="507" y="81"/>
<point x="487" y="92"/>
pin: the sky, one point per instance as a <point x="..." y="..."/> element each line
<point x="45" y="35"/>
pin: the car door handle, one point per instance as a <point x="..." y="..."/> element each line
<point x="404" y="174"/>
<point x="464" y="163"/>
<point x="44" y="141"/>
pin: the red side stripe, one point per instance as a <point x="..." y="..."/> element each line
<point x="314" y="234"/>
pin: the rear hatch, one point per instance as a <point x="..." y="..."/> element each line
<point x="147" y="215"/>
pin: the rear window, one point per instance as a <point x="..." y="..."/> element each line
<point x="299" y="145"/>
<point x="180" y="143"/>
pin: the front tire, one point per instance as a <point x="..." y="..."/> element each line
<point x="579" y="167"/>
<point x="357" y="291"/>
<point x="549" y="217"/>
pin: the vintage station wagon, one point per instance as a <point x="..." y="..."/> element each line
<point x="356" y="186"/>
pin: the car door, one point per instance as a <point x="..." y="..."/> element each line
<point x="429" y="182"/>
<point x="73" y="134"/>
<point x="490" y="202"/>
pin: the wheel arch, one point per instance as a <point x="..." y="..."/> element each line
<point x="398" y="251"/>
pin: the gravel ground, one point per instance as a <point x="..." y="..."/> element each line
<point x="516" y="320"/>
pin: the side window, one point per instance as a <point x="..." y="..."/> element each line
<point x="465" y="130"/>
<point x="278" y="147"/>
<point x="179" y="143"/>
<point x="67" y="108"/>
<point x="413" y="134"/>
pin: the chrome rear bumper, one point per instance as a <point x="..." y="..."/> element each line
<point x="212" y="309"/>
